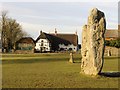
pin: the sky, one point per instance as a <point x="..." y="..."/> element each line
<point x="66" y="17"/>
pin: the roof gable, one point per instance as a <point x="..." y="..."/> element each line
<point x="59" y="38"/>
<point x="72" y="38"/>
<point x="27" y="40"/>
<point x="111" y="33"/>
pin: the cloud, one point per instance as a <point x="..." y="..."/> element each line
<point x="59" y="11"/>
<point x="59" y="1"/>
<point x="112" y="25"/>
<point x="0" y="7"/>
<point x="66" y="17"/>
<point x="15" y="8"/>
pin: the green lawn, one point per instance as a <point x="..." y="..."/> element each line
<point x="53" y="71"/>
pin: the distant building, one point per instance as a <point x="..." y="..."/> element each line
<point x="56" y="42"/>
<point x="0" y="46"/>
<point x="25" y="44"/>
<point x="111" y="34"/>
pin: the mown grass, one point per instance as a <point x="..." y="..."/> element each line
<point x="53" y="70"/>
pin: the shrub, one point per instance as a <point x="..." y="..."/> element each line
<point x="107" y="43"/>
<point x="117" y="45"/>
<point x="113" y="43"/>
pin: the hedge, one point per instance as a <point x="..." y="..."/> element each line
<point x="113" y="43"/>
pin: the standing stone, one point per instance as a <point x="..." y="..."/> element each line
<point x="109" y="53"/>
<point x="71" y="58"/>
<point x="13" y="50"/>
<point x="93" y="43"/>
<point x="4" y="50"/>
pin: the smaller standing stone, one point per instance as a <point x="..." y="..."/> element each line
<point x="71" y="58"/>
<point x="4" y="50"/>
<point x="13" y="50"/>
<point x="109" y="53"/>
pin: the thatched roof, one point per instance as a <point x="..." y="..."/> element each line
<point x="111" y="33"/>
<point x="27" y="40"/>
<point x="53" y="39"/>
<point x="72" y="38"/>
<point x="60" y="38"/>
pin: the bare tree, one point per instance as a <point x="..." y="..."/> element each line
<point x="11" y="32"/>
<point x="3" y="28"/>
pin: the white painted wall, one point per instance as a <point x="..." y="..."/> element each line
<point x="74" y="48"/>
<point x="46" y="44"/>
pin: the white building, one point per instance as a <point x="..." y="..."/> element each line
<point x="56" y="42"/>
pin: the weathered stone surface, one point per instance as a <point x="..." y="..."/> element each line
<point x="109" y="53"/>
<point x="93" y="43"/>
<point x="71" y="58"/>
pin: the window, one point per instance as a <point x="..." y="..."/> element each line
<point x="70" y="49"/>
<point x="41" y="42"/>
<point x="61" y="49"/>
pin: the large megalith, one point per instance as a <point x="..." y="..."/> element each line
<point x="93" y="43"/>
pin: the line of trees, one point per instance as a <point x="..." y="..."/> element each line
<point x="11" y="31"/>
<point x="113" y="43"/>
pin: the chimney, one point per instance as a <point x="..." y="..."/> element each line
<point x="76" y="32"/>
<point x="40" y="32"/>
<point x="55" y="31"/>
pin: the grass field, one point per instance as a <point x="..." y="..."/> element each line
<point x="53" y="71"/>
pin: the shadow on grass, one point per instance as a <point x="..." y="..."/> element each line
<point x="110" y="74"/>
<point x="24" y="61"/>
<point x="27" y="61"/>
<point x="77" y="61"/>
